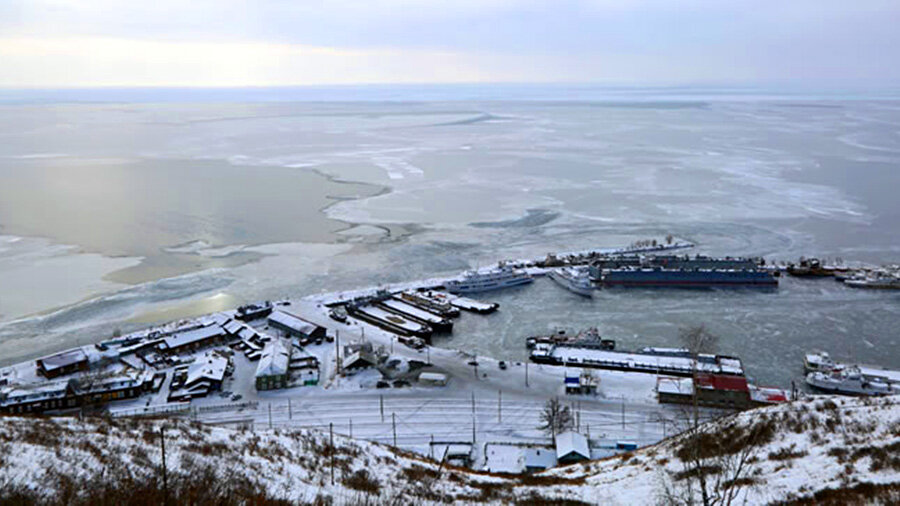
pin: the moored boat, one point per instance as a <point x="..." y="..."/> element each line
<point x="504" y="276"/>
<point x="848" y="381"/>
<point x="573" y="279"/>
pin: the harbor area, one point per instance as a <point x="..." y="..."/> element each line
<point x="428" y="365"/>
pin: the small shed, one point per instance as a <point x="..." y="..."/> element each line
<point x="433" y="379"/>
<point x="359" y="360"/>
<point x="571" y="447"/>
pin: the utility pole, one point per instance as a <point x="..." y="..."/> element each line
<point x="394" y="427"/>
<point x="431" y="447"/>
<point x="290" y="411"/>
<point x="331" y="448"/>
<point x="337" y="349"/>
<point x="351" y="427"/>
<point x="162" y="441"/>
<point x="381" y="404"/>
<point x="499" y="406"/>
<point x="623" y="412"/>
<point x="270" y="416"/>
<point x="473" y="403"/>
<point x="526" y="374"/>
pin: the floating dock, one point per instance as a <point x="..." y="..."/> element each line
<point x="406" y="310"/>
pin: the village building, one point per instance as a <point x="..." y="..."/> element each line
<point x="718" y="391"/>
<point x="127" y="385"/>
<point x="37" y="398"/>
<point x="571" y="447"/>
<point x="539" y="459"/>
<point x="205" y="374"/>
<point x="359" y="360"/>
<point x="60" y="364"/>
<point x="191" y="340"/>
<point x="295" y="326"/>
<point x="273" y="371"/>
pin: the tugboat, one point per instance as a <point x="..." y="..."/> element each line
<point x="849" y="381"/>
<point x="814" y="268"/>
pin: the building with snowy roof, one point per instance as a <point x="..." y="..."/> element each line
<point x="38" y="398"/>
<point x="66" y="362"/>
<point x="538" y="459"/>
<point x="192" y="339"/>
<point x="273" y="370"/>
<point x="127" y="385"/>
<point x="717" y="391"/>
<point x="295" y="326"/>
<point x="571" y="447"/>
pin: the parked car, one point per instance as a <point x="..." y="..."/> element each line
<point x="502" y="365"/>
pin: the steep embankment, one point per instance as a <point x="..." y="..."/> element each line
<point x="823" y="450"/>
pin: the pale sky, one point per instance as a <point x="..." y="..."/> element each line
<point x="63" y="43"/>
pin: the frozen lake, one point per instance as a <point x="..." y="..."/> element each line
<point x="116" y="215"/>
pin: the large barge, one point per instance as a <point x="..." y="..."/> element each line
<point x="667" y="361"/>
<point x="389" y="321"/>
<point x="680" y="278"/>
<point x="672" y="271"/>
<point x="411" y="312"/>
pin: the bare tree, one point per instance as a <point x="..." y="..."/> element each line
<point x="715" y="460"/>
<point x="555" y="418"/>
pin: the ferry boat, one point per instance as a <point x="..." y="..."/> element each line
<point x="481" y="281"/>
<point x="573" y="279"/>
<point x="849" y="381"/>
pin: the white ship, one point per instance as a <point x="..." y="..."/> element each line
<point x="573" y="279"/>
<point x="886" y="281"/>
<point x="481" y="281"/>
<point x="822" y="362"/>
<point x="849" y="381"/>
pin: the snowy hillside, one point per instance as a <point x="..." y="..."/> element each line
<point x="827" y="450"/>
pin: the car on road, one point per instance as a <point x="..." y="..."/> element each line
<point x="502" y="365"/>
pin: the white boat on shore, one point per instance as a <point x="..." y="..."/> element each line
<point x="822" y="362"/>
<point x="573" y="279"/>
<point x="849" y="381"/>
